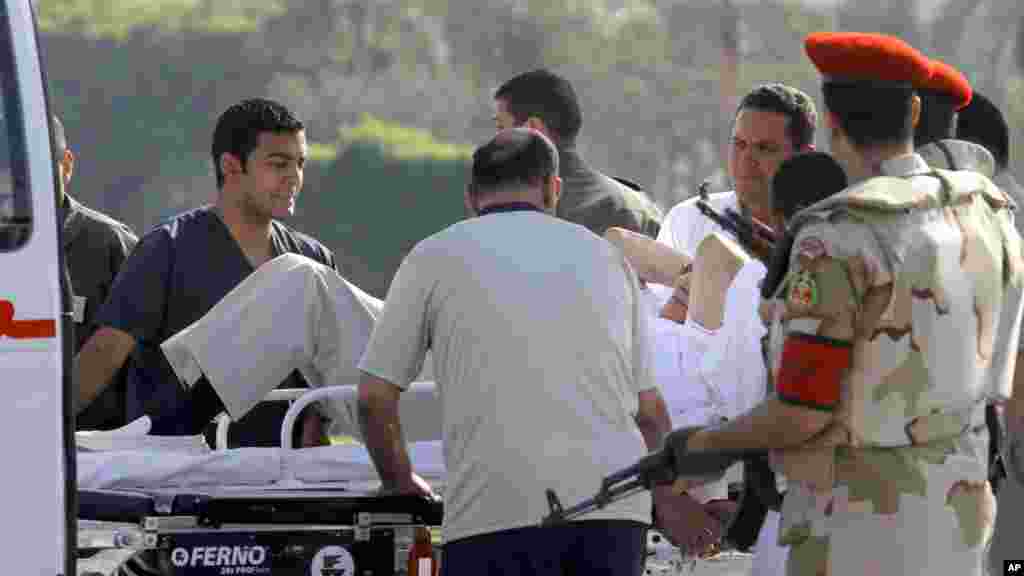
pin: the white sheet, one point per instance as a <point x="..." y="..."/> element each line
<point x="135" y="436"/>
<point x="352" y="463"/>
<point x="244" y="467"/>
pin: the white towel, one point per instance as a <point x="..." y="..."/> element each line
<point x="135" y="436"/>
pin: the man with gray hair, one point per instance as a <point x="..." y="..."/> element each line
<point x="541" y="356"/>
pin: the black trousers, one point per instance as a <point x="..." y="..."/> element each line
<point x="593" y="548"/>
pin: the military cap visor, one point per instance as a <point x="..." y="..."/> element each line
<point x="947" y="80"/>
<point x="864" y="57"/>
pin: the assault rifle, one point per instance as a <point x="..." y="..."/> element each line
<point x="673" y="461"/>
<point x="754" y="236"/>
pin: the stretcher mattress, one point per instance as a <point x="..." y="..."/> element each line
<point x="246" y="468"/>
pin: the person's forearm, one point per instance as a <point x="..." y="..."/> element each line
<point x="772" y="425"/>
<point x="382" y="434"/>
<point x="96" y="364"/>
<point x="654" y="421"/>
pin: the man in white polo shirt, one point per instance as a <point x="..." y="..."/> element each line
<point x="773" y="122"/>
<point x="540" y="348"/>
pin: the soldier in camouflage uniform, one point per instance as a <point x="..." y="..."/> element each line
<point x="897" y="320"/>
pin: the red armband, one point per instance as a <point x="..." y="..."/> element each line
<point x="811" y="370"/>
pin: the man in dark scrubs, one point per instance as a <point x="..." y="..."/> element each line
<point x="184" y="266"/>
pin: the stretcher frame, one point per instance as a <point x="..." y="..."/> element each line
<point x="150" y="521"/>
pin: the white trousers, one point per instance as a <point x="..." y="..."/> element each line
<point x="769" y="557"/>
<point x="292" y="313"/>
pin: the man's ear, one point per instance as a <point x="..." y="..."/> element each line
<point x="915" y="110"/>
<point x="67" y="164"/>
<point x="231" y="164"/>
<point x="552" y="192"/>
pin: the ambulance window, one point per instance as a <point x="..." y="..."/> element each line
<point x="15" y="200"/>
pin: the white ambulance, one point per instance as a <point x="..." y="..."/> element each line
<point x="36" y="492"/>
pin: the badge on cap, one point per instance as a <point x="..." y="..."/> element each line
<point x="803" y="291"/>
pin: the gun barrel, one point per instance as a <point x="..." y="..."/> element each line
<point x="755" y="237"/>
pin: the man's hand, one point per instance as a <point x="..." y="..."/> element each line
<point x="677" y="306"/>
<point x="722" y="510"/>
<point x="414" y="485"/>
<point x="685" y="522"/>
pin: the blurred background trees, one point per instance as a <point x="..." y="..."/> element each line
<point x="140" y="83"/>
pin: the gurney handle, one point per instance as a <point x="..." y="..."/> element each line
<point x="279" y="395"/>
<point x="345" y="401"/>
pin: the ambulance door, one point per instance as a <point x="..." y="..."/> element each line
<point x="37" y="490"/>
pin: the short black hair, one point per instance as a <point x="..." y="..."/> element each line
<point x="938" y="117"/>
<point x="805" y="179"/>
<point x="871" y="113"/>
<point x="801" y="181"/>
<point x="513" y="158"/>
<point x="796" y="106"/>
<point x="60" y="140"/>
<point x="983" y="123"/>
<point x="239" y="127"/>
<point x="547" y="96"/>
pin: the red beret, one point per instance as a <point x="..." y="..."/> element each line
<point x="862" y="56"/>
<point x="948" y="80"/>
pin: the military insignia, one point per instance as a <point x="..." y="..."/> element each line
<point x="812" y="247"/>
<point x="803" y="291"/>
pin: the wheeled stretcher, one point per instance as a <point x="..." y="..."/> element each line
<point x="184" y="510"/>
<point x="319" y="532"/>
<point x="187" y="510"/>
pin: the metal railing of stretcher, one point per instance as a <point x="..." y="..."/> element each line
<point x="419" y="409"/>
<point x="239" y="531"/>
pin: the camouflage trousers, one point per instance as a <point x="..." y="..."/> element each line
<point x="894" y="511"/>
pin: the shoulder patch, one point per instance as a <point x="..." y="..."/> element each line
<point x="811" y="247"/>
<point x="802" y="292"/>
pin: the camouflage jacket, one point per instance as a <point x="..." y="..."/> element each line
<point x="917" y="274"/>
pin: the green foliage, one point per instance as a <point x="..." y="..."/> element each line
<point x="402" y="142"/>
<point x="118" y="18"/>
<point x="389" y="187"/>
<point x="321" y="153"/>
